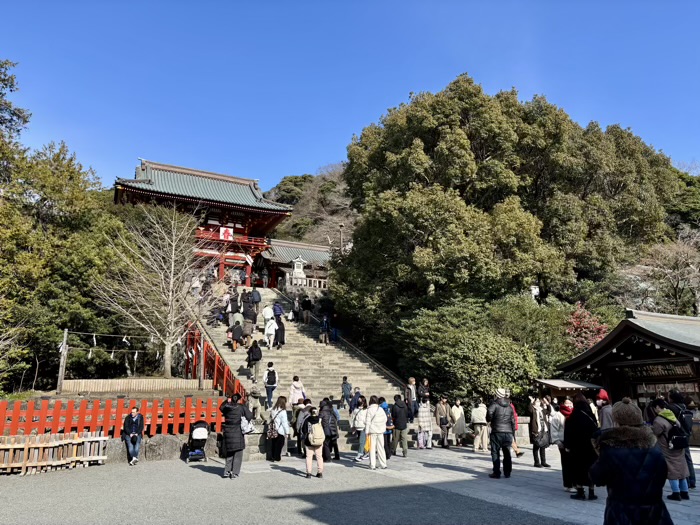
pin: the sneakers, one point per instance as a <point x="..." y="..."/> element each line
<point x="133" y="461"/>
<point x="546" y="465"/>
<point x="319" y="475"/>
<point x="226" y="475"/>
<point x="538" y="465"/>
<point x="495" y="475"/>
<point x="308" y="475"/>
<point x="520" y="454"/>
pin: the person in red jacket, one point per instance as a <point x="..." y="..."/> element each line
<point x="516" y="449"/>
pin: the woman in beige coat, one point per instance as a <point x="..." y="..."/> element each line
<point x="675" y="458"/>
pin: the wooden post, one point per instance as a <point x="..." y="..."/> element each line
<point x="62" y="366"/>
<point x="248" y="271"/>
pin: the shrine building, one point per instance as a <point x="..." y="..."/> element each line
<point x="645" y="356"/>
<point x="236" y="220"/>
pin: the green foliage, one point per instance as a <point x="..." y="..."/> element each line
<point x="541" y="327"/>
<point x="451" y="345"/>
<point x="463" y="194"/>
<point x="291" y="189"/>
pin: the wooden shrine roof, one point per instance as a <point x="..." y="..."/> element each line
<point x="197" y="185"/>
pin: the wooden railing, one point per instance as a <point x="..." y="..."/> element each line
<point x="46" y="452"/>
<point x="168" y="416"/>
<point x="215" y="367"/>
<point x="238" y="239"/>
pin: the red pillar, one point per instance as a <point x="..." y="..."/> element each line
<point x="248" y="271"/>
<point x="221" y="266"/>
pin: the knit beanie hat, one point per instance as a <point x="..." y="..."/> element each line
<point x="603" y="395"/>
<point x="500" y="393"/>
<point x="625" y="413"/>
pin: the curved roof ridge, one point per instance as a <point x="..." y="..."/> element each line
<point x="642" y="315"/>
<point x="199" y="173"/>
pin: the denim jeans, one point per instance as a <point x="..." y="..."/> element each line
<point x="678" y="485"/>
<point x="501" y="440"/>
<point x="270" y="391"/>
<point x="132" y="449"/>
<point x="363" y="440"/>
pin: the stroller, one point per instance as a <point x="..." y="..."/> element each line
<point x="197" y="441"/>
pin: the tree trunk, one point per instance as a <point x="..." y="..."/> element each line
<point x="168" y="360"/>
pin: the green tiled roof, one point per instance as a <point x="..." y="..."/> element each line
<point x="199" y="186"/>
<point x="674" y="327"/>
<point x="284" y="252"/>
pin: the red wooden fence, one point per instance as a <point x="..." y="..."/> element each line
<point x="168" y="416"/>
<point x="215" y="368"/>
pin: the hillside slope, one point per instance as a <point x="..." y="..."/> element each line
<point x="320" y="207"/>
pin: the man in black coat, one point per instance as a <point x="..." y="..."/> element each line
<point x="133" y="433"/>
<point x="502" y="418"/>
<point x="399" y="413"/>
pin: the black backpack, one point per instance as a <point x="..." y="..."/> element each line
<point x="271" y="377"/>
<point x="257" y="354"/>
<point x="685" y="417"/>
<point x="676" y="437"/>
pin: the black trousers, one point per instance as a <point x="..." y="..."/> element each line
<point x="387" y="445"/>
<point x="501" y="441"/>
<point x="538" y="454"/>
<point x="328" y="445"/>
<point x="277" y="446"/>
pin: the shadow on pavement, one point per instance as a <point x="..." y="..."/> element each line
<point x="412" y="504"/>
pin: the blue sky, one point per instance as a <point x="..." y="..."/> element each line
<point x="268" y="89"/>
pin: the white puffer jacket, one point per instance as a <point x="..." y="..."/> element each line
<point x="375" y="420"/>
<point x="359" y="419"/>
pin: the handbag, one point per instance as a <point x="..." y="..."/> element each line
<point x="444" y="421"/>
<point x="542" y="440"/>
<point x="368" y="443"/>
<point x="290" y="316"/>
<point x="247" y="427"/>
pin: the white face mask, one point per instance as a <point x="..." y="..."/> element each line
<point x="599" y="402"/>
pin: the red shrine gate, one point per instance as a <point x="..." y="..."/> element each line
<point x="236" y="218"/>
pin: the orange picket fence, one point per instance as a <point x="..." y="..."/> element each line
<point x="168" y="416"/>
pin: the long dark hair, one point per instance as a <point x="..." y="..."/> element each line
<point x="254" y="344"/>
<point x="373" y="400"/>
<point x="363" y="402"/>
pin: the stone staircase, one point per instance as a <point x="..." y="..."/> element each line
<point x="320" y="367"/>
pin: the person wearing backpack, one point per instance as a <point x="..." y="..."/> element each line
<point x="374" y="428"/>
<point x="314" y="438"/>
<point x="685" y="418"/>
<point x="670" y="435"/>
<point x="254" y="358"/>
<point x="399" y="415"/>
<point x="278" y="428"/>
<point x="270" y="380"/>
<point x="255" y="299"/>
